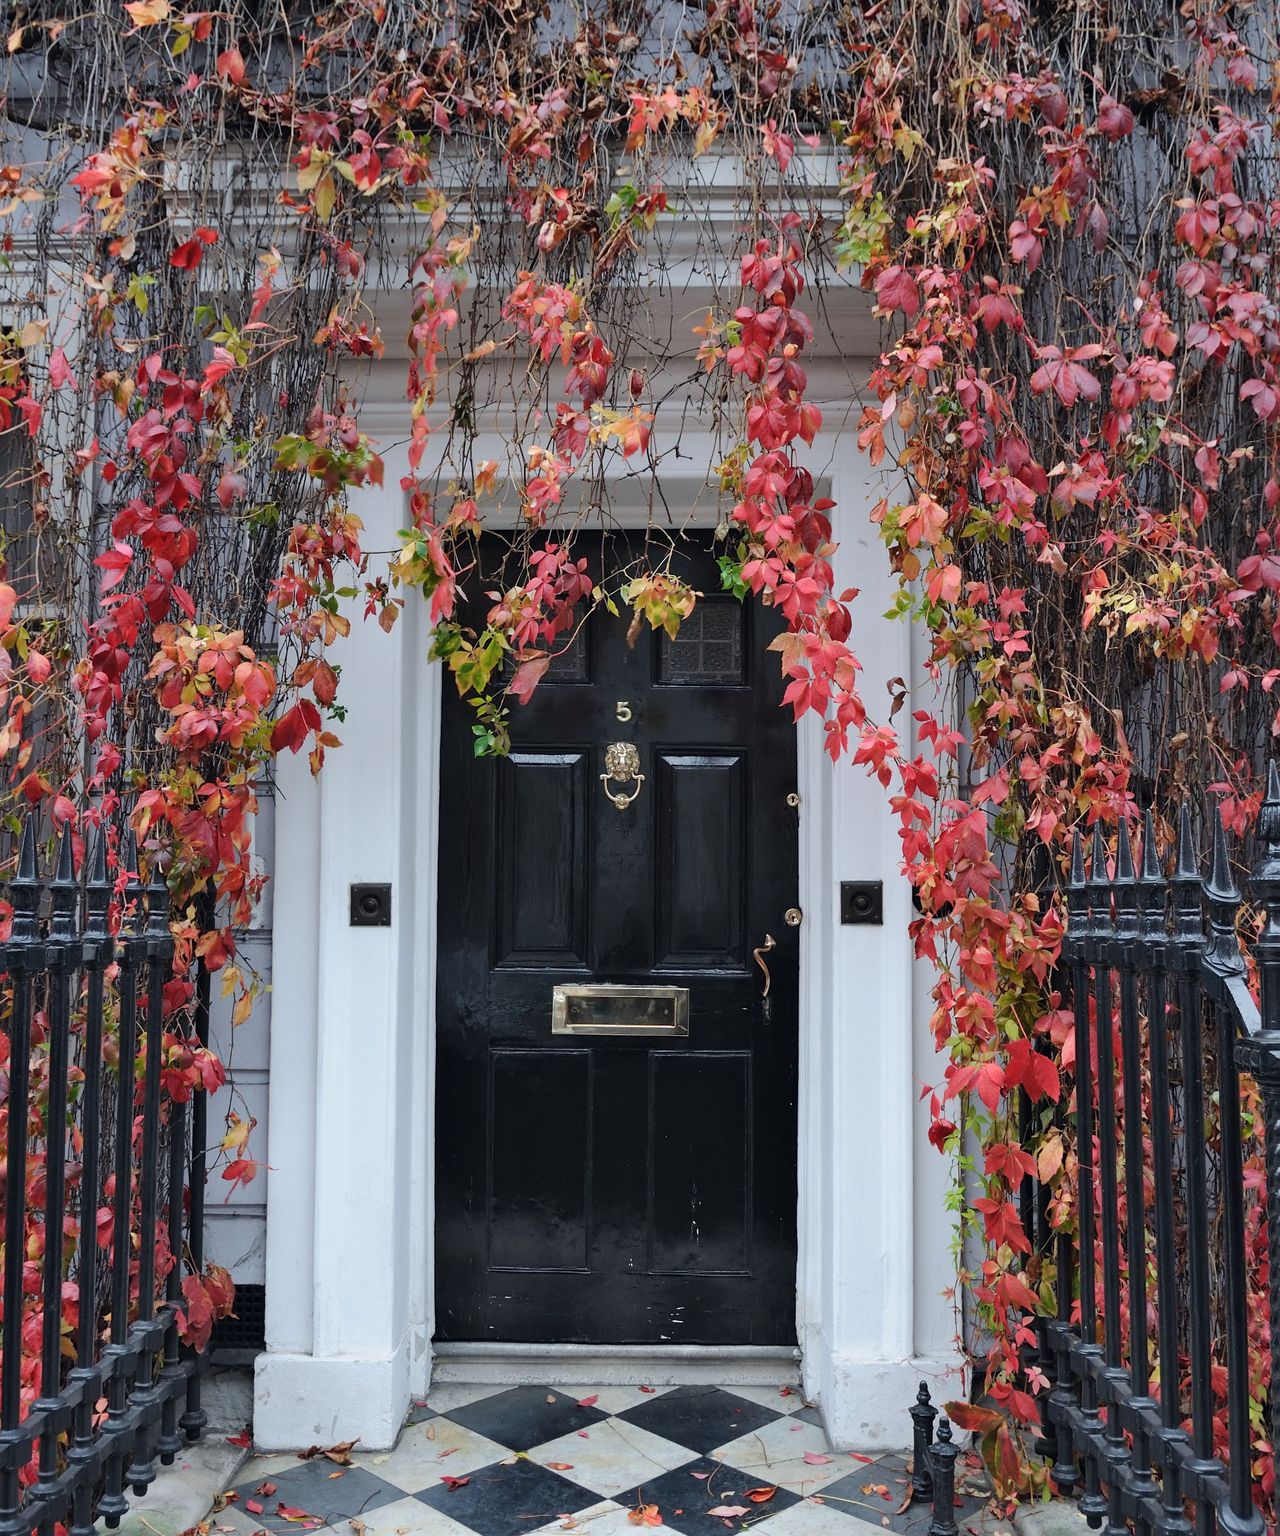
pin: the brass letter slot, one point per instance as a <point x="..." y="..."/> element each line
<point x="618" y="1010"/>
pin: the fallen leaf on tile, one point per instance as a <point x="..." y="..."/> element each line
<point x="448" y="1451"/>
<point x="290" y="1512"/>
<point x="253" y="1506"/>
<point x="786" y="1391"/>
<point x="429" y="1433"/>
<point x="560" y="1466"/>
<point x="378" y="1460"/>
<point x="648" y="1389"/>
<point x="700" y="1475"/>
<point x="729" y="1511"/>
<point x="242" y="1440"/>
<point x="865" y="1460"/>
<point x="267" y="1490"/>
<point x="508" y="1461"/>
<point x="455" y="1482"/>
<point x="906" y="1500"/>
<point x="340" y="1454"/>
<point x="583" y="1435"/>
<point x="589" y="1402"/>
<point x="358" y="1526"/>
<point x="332" y="1475"/>
<point x="223" y="1499"/>
<point x="877" y="1488"/>
<point x="759" y="1495"/>
<point x="816" y="1458"/>
<point x="645" y="1514"/>
<point x="551" y="1397"/>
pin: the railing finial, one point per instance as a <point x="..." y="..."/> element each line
<point x="1221" y="886"/>
<point x="24" y="888"/>
<point x="62" y="888"/>
<point x="1152" y="872"/>
<point x="1098" y="857"/>
<point x="1124" y="854"/>
<point x="1188" y="864"/>
<point x="1076" y="877"/>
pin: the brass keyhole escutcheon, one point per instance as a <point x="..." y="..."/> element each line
<point x="621" y="764"/>
<point x="793" y="917"/>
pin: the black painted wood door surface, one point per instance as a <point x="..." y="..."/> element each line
<point x="597" y="1189"/>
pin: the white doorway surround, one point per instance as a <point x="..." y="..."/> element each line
<point x="352" y="1084"/>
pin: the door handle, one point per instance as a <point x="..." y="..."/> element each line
<point x="758" y="954"/>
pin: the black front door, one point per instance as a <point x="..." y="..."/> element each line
<point x="596" y="1188"/>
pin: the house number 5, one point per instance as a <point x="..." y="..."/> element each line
<point x="622" y="710"/>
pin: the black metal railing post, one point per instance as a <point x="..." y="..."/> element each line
<point x="82" y="1453"/>
<point x="113" y="1505"/>
<point x="1261" y="1055"/>
<point x="60" y="963"/>
<point x="1224" y="962"/>
<point x="1170" y="1437"/>
<point x="942" y="1465"/>
<point x="1093" y="1502"/>
<point x="23" y="957"/>
<point x="1186" y="949"/>
<point x="1103" y="933"/>
<point x="923" y="1414"/>
<point x="1129" y="947"/>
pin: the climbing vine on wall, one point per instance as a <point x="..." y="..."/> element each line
<point x="1066" y="217"/>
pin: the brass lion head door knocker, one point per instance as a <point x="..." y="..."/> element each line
<point x="621" y="764"/>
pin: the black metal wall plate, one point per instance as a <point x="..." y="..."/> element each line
<point x="862" y="901"/>
<point x="371" y="906"/>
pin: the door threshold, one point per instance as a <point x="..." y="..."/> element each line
<point x="586" y="1365"/>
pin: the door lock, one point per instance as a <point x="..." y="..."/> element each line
<point x="793" y="917"/>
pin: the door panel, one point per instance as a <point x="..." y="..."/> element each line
<point x="702" y="846"/>
<point x="602" y="1189"/>
<point x="540" y="892"/>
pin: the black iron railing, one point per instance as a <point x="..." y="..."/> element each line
<point x="84" y="1002"/>
<point x="1148" y="1419"/>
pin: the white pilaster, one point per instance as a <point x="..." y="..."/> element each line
<point x="347" y="1322"/>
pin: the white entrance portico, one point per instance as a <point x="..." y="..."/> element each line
<point x="352" y="1085"/>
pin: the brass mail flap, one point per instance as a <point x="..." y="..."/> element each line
<point x="619" y="1010"/>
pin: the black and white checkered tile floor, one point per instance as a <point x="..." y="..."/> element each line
<point x="506" y="1461"/>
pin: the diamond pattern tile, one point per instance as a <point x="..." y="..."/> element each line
<point x="787" y="1452"/>
<point x="700" y="1417"/>
<point x="610" y="1456"/>
<point x="511" y="1497"/>
<point x="519" y="1417"/>
<point x="685" y="1496"/>
<point x="489" y="1460"/>
<point x="323" y="1493"/>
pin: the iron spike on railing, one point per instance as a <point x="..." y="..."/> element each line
<point x="923" y="1414"/>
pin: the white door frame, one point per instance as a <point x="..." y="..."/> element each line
<point x="349" y="1206"/>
